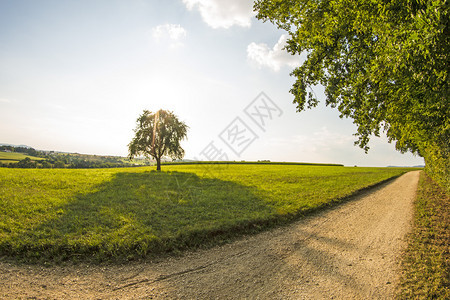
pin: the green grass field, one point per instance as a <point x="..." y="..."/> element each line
<point x="426" y="263"/>
<point x="134" y="212"/>
<point x="13" y="157"/>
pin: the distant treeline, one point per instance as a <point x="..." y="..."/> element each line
<point x="23" y="150"/>
<point x="51" y="159"/>
<point x="259" y="162"/>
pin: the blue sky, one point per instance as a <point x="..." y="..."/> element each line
<point x="75" y="75"/>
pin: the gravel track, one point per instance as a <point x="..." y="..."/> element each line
<point x="350" y="251"/>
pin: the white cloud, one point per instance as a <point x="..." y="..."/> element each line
<point x="171" y="33"/>
<point x="223" y="14"/>
<point x="273" y="58"/>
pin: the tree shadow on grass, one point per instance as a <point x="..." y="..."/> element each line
<point x="143" y="214"/>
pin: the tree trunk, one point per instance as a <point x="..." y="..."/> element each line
<point x="158" y="164"/>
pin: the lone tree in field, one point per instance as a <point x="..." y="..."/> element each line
<point x="385" y="64"/>
<point x="157" y="135"/>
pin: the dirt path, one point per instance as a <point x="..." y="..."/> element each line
<point x="349" y="252"/>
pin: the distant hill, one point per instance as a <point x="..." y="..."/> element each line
<point x="23" y="156"/>
<point x="16" y="146"/>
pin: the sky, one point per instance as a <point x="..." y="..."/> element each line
<point x="75" y="76"/>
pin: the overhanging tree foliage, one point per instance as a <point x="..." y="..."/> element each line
<point x="383" y="63"/>
<point x="157" y="135"/>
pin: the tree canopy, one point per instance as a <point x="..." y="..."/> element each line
<point x="157" y="135"/>
<point x="383" y="63"/>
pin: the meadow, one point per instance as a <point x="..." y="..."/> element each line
<point x="13" y="157"/>
<point x="126" y="213"/>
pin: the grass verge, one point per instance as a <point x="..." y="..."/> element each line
<point x="426" y="263"/>
<point x="127" y="213"/>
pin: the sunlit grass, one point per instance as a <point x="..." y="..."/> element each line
<point x="8" y="157"/>
<point x="426" y="263"/>
<point x="132" y="212"/>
